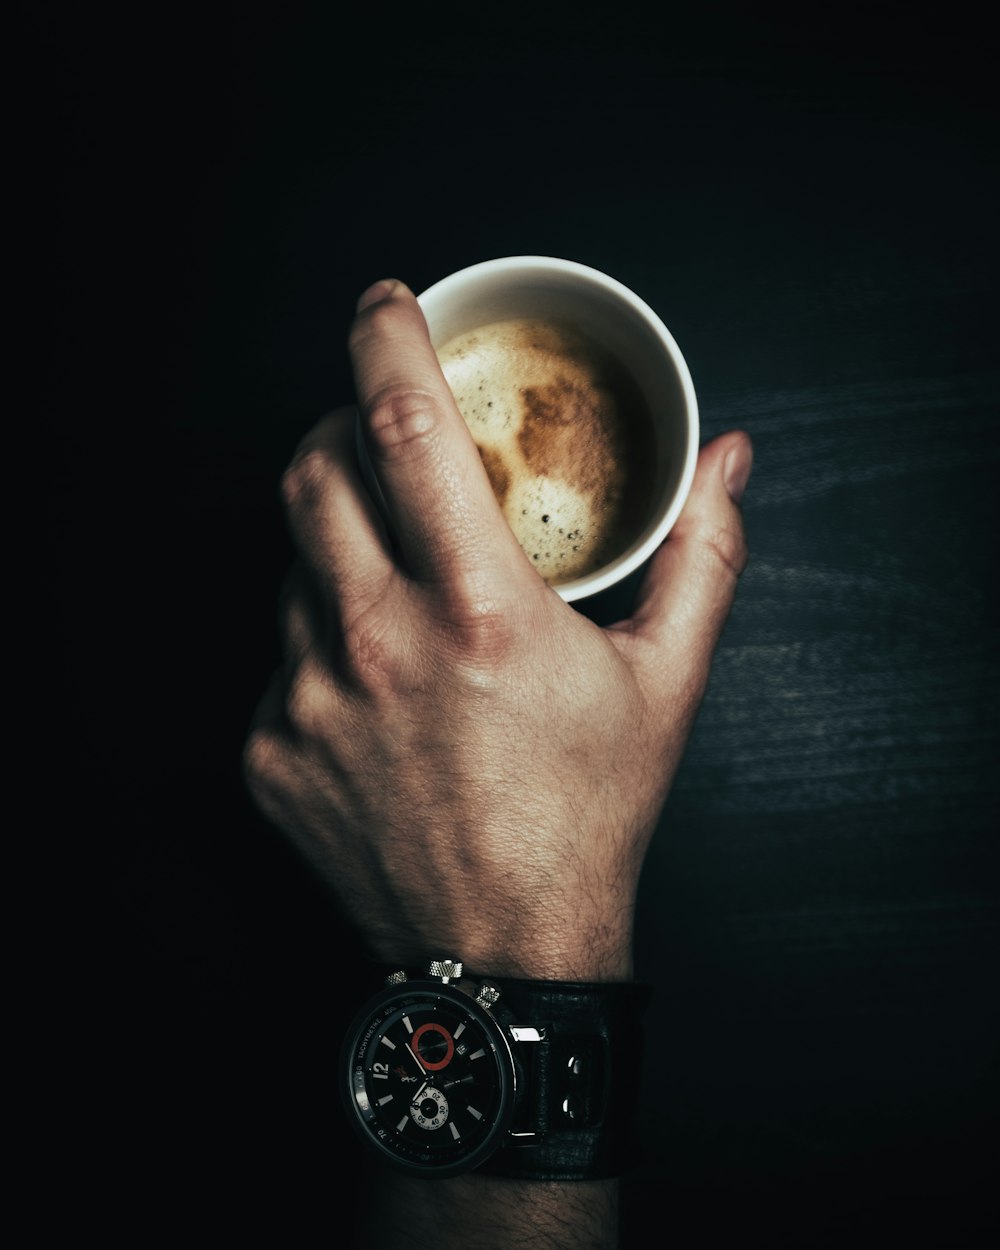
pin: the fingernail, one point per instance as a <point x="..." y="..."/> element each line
<point x="377" y="291"/>
<point x="736" y="472"/>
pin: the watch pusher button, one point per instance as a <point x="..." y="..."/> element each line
<point x="575" y="1067"/>
<point x="487" y="995"/>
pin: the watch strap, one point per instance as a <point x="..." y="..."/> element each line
<point x="581" y="1078"/>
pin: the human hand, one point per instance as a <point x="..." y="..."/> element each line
<point x="470" y="764"/>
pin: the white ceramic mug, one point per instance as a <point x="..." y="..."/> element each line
<point x="617" y="319"/>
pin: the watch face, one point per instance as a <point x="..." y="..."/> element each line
<point x="429" y="1078"/>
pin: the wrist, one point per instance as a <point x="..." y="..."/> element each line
<point x="550" y="922"/>
<point x="569" y="963"/>
<point x="607" y="957"/>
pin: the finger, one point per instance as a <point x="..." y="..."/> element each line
<point x="302" y="617"/>
<point x="685" y="598"/>
<point x="441" y="507"/>
<point x="270" y="709"/>
<point x="333" y="520"/>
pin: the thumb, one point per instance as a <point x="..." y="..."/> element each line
<point x="688" y="590"/>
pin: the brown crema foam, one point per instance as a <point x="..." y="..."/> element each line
<point x="565" y="436"/>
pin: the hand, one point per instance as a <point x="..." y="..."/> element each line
<point x="475" y="768"/>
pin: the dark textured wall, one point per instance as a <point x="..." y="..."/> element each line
<point x="811" y="207"/>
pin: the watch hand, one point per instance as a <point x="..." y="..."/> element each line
<point x="462" y="1080"/>
<point x="415" y="1059"/>
<point x="415" y="1100"/>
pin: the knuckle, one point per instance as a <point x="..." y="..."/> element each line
<point x="304" y="481"/>
<point x="479" y="627"/>
<point x="368" y="654"/>
<point x="308" y="702"/>
<point x="261" y="761"/>
<point x="403" y="421"/>
<point x="727" y="547"/>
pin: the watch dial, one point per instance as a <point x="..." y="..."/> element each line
<point x="431" y="1080"/>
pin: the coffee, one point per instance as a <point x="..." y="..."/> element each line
<point x="565" y="436"/>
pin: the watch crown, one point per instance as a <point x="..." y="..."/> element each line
<point x="488" y="994"/>
<point x="446" y="969"/>
<point x="396" y="978"/>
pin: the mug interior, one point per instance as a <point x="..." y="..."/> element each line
<point x="606" y="311"/>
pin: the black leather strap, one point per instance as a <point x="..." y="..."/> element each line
<point x="580" y="1083"/>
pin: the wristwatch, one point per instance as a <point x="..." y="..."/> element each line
<point x="538" y="1080"/>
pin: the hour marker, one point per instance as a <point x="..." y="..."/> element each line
<point x="473" y="1111"/>
<point x="459" y="1031"/>
<point x="381" y="1076"/>
<point x="454" y="1131"/>
<point x="402" y="1124"/>
<point x="409" y="1026"/>
<point x="386" y="1042"/>
<point x="477" y="1054"/>
<point x="383" y="1101"/>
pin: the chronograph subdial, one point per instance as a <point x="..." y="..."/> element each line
<point x="430" y="1109"/>
<point x="434" y="1046"/>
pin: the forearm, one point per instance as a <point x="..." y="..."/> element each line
<point x="478" y="1212"/>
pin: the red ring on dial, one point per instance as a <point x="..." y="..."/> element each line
<point x="431" y="1027"/>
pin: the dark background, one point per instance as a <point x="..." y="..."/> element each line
<point x="810" y="204"/>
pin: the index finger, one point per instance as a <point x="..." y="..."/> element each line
<point x="440" y="505"/>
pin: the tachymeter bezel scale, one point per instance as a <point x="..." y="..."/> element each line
<point x="427" y="1001"/>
